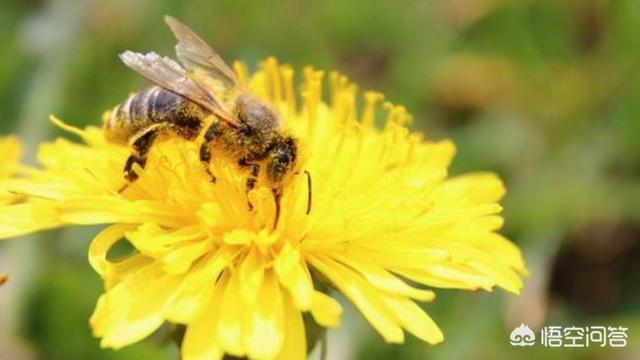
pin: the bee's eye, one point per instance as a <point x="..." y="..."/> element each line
<point x="285" y="154"/>
<point x="283" y="157"/>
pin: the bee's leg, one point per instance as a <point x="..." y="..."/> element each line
<point x="277" y="194"/>
<point x="141" y="146"/>
<point x="205" y="149"/>
<point x="253" y="176"/>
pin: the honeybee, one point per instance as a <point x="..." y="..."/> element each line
<point x="200" y="84"/>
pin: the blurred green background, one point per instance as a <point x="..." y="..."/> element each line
<point x="546" y="93"/>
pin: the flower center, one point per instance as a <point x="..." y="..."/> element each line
<point x="262" y="239"/>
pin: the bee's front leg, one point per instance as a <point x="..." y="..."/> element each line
<point x="277" y="196"/>
<point x="253" y="176"/>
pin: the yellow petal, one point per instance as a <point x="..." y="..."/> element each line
<point x="156" y="241"/>
<point x="101" y="245"/>
<point x="118" y="270"/>
<point x="89" y="210"/>
<point x="22" y="219"/>
<point x="295" y="341"/>
<point x="200" y="340"/>
<point x="294" y="276"/>
<point x="133" y="309"/>
<point x="363" y="296"/>
<point x="238" y="237"/>
<point x="447" y="276"/>
<point x="196" y="288"/>
<point x="414" y="319"/>
<point x="503" y="250"/>
<point x="265" y="330"/>
<point x="503" y="276"/>
<point x="383" y="280"/>
<point x="230" y="324"/>
<point x="180" y="257"/>
<point x="251" y="273"/>
<point x="11" y="150"/>
<point x="478" y="188"/>
<point x="51" y="190"/>
<point x="326" y="310"/>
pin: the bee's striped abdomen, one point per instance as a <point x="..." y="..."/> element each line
<point x="154" y="105"/>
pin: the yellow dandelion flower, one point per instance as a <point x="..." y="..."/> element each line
<point x="384" y="217"/>
<point x="11" y="150"/>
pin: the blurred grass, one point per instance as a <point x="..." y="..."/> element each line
<point x="543" y="92"/>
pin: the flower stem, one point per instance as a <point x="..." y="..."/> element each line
<point x="324" y="347"/>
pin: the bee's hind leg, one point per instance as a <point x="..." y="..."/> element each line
<point x="141" y="146"/>
<point x="253" y="176"/>
<point x="210" y="136"/>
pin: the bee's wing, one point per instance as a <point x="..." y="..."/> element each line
<point x="167" y="73"/>
<point x="198" y="57"/>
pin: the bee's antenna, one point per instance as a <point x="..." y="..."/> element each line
<point x="309" y="192"/>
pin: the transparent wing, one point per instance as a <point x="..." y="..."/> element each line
<point x="198" y="57"/>
<point x="167" y="73"/>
